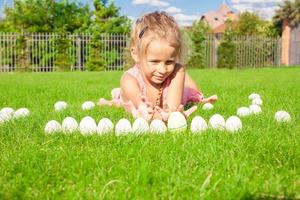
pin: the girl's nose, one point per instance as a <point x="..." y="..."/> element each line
<point x="162" y="68"/>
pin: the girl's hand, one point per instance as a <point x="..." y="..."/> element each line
<point x="144" y="110"/>
<point x="211" y="99"/>
<point x="165" y="113"/>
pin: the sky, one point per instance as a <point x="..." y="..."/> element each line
<point x="186" y="11"/>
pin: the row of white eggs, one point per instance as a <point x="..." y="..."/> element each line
<point x="176" y="123"/>
<point x="7" y="114"/>
<point x="88" y="126"/>
<point x="62" y="105"/>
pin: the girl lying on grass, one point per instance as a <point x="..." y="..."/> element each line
<point x="157" y="84"/>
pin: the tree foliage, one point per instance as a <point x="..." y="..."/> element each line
<point x="252" y="24"/>
<point x="226" y="49"/>
<point x="46" y="16"/>
<point x="65" y="17"/>
<point x="106" y="20"/>
<point x="289" y="10"/>
<point x="198" y="35"/>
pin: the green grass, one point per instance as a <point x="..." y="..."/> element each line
<point x="263" y="161"/>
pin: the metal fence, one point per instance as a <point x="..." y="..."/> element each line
<point x="43" y="52"/>
<point x="247" y="51"/>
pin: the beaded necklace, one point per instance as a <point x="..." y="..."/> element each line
<point x="157" y="103"/>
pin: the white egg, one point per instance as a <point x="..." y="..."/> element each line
<point x="255" y="109"/>
<point x="282" y="116"/>
<point x="69" y="125"/>
<point x="52" y="127"/>
<point x="207" y="106"/>
<point x="60" y="105"/>
<point x="22" y="112"/>
<point x="217" y="122"/>
<point x="87" y="126"/>
<point x="157" y="126"/>
<point x="105" y="126"/>
<point x="254" y="96"/>
<point x="4" y="117"/>
<point x="243" y="112"/>
<point x="7" y="110"/>
<point x="140" y="126"/>
<point x="88" y="105"/>
<point x="257" y="101"/>
<point x="177" y="122"/>
<point x="123" y="127"/>
<point x="198" y="125"/>
<point x="233" y="124"/>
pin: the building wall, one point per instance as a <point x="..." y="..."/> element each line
<point x="294" y="51"/>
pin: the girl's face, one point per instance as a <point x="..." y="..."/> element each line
<point x="159" y="61"/>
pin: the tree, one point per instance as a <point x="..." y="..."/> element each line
<point x="198" y="34"/>
<point x="46" y="16"/>
<point x="289" y="10"/>
<point x="252" y="24"/>
<point x="226" y="49"/>
<point x="106" y="20"/>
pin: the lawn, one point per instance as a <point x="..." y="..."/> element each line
<point x="262" y="161"/>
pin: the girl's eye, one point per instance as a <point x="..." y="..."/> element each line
<point x="154" y="62"/>
<point x="170" y="62"/>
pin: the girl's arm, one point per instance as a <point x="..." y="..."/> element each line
<point x="176" y="86"/>
<point x="130" y="90"/>
<point x="133" y="99"/>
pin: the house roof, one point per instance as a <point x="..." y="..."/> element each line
<point x="217" y="18"/>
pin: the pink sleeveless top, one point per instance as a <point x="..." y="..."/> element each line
<point x="190" y="95"/>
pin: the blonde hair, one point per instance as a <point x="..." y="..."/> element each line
<point x="155" y="25"/>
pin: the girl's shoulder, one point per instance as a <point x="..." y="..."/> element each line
<point x="179" y="68"/>
<point x="132" y="74"/>
<point x="134" y="71"/>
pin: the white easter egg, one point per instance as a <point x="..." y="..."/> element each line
<point x="233" y="124"/>
<point x="243" y="112"/>
<point x="157" y="126"/>
<point x="257" y="101"/>
<point x="123" y="127"/>
<point x="105" y="126"/>
<point x="60" y="105"/>
<point x="87" y="126"/>
<point x="22" y="112"/>
<point x="207" y="106"/>
<point x="177" y="122"/>
<point x="198" y="125"/>
<point x="7" y="110"/>
<point x="88" y="105"/>
<point x="52" y="127"/>
<point x="254" y="96"/>
<point x="255" y="109"/>
<point x="140" y="126"/>
<point x="4" y="117"/>
<point x="282" y="116"/>
<point x="217" y="122"/>
<point x="69" y="125"/>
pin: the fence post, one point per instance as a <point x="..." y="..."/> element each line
<point x="78" y="53"/>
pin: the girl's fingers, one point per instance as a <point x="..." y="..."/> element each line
<point x="143" y="98"/>
<point x="164" y="115"/>
<point x="188" y="112"/>
<point x="180" y="108"/>
<point x="149" y="104"/>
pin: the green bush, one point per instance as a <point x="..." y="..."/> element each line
<point x="63" y="60"/>
<point x="198" y="37"/>
<point x="226" y="51"/>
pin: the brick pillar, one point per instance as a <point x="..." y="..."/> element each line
<point x="286" y="39"/>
